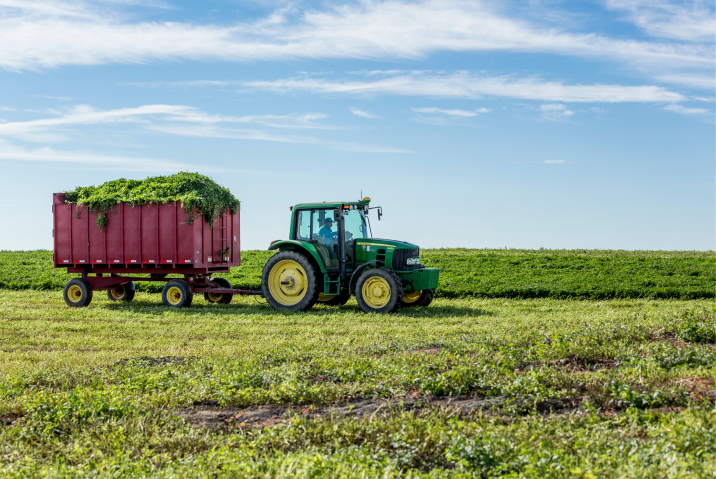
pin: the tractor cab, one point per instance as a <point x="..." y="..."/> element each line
<point x="331" y="255"/>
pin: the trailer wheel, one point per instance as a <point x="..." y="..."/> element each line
<point x="122" y="292"/>
<point x="334" y="300"/>
<point x="221" y="298"/>
<point x="177" y="294"/>
<point x="379" y="290"/>
<point x="418" y="298"/>
<point x="77" y="293"/>
<point x="289" y="282"/>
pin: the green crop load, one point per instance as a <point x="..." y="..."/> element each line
<point x="191" y="189"/>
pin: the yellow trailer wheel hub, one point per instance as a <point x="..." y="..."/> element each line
<point x="117" y="292"/>
<point x="74" y="293"/>
<point x="174" y="295"/>
<point x="214" y="297"/>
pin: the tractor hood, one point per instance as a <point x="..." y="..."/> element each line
<point x="385" y="243"/>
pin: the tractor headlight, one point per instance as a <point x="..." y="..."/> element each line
<point x="413" y="261"/>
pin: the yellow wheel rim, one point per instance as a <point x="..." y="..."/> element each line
<point x="174" y="295"/>
<point x="412" y="297"/>
<point x="287" y="282"/>
<point x="74" y="293"/>
<point x="214" y="297"/>
<point x="323" y="297"/>
<point x="117" y="292"/>
<point x="376" y="292"/>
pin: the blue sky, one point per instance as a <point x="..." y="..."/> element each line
<point x="474" y="124"/>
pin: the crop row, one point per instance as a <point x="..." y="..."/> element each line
<point x="577" y="274"/>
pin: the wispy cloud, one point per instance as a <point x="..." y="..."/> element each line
<point x="50" y="34"/>
<point x="362" y="113"/>
<point x="463" y="113"/>
<point x="685" y="110"/>
<point x="185" y="121"/>
<point x="555" y="111"/>
<point x="212" y="131"/>
<point x="90" y="160"/>
<point x="693" y="20"/>
<point x="469" y="85"/>
<point x="55" y="128"/>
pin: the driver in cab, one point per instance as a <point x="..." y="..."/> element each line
<point x="326" y="233"/>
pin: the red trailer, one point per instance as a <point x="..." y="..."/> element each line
<point x="155" y="239"/>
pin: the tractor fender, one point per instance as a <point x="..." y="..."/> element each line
<point x="306" y="248"/>
<point x="357" y="272"/>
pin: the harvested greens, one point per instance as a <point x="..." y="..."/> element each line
<point x="191" y="189"/>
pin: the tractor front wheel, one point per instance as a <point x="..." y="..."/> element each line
<point x="177" y="294"/>
<point x="289" y="281"/>
<point x="122" y="292"/>
<point x="77" y="293"/>
<point x="379" y="290"/>
<point x="418" y="298"/>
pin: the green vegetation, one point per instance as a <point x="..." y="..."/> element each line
<point x="191" y="189"/>
<point x="465" y="388"/>
<point x="574" y="274"/>
<point x="581" y="274"/>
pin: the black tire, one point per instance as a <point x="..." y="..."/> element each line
<point x="77" y="293"/>
<point x="383" y="279"/>
<point x="177" y="294"/>
<point x="221" y="298"/>
<point x="337" y="300"/>
<point x="122" y="292"/>
<point x="284" y="266"/>
<point x="424" y="299"/>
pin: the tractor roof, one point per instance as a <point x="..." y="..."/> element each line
<point x="331" y="204"/>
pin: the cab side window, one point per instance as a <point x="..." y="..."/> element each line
<point x="303" y="225"/>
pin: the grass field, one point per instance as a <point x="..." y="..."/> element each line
<point x="469" y="387"/>
<point x="563" y="274"/>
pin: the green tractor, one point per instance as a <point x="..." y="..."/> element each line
<point x="331" y="255"/>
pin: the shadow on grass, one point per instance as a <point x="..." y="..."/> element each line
<point x="263" y="309"/>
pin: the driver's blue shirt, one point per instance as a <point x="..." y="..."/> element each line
<point x="326" y="231"/>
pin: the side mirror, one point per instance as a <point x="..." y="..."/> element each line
<point x="337" y="214"/>
<point x="380" y="213"/>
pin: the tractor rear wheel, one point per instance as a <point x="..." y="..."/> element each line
<point x="418" y="298"/>
<point x="177" y="294"/>
<point x="220" y="298"/>
<point x="379" y="290"/>
<point x="77" y="293"/>
<point x="334" y="300"/>
<point x="289" y="281"/>
<point x="122" y="292"/>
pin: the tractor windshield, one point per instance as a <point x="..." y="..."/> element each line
<point x="355" y="225"/>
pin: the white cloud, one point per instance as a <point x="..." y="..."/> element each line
<point x="693" y="20"/>
<point x="685" y="110"/>
<point x="183" y="121"/>
<point x="555" y="111"/>
<point x="52" y="129"/>
<point x="89" y="160"/>
<point x="695" y="80"/>
<point x="362" y="113"/>
<point x="7" y="108"/>
<point x="467" y="85"/>
<point x="51" y="34"/>
<point x="212" y="131"/>
<point x="463" y="113"/>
